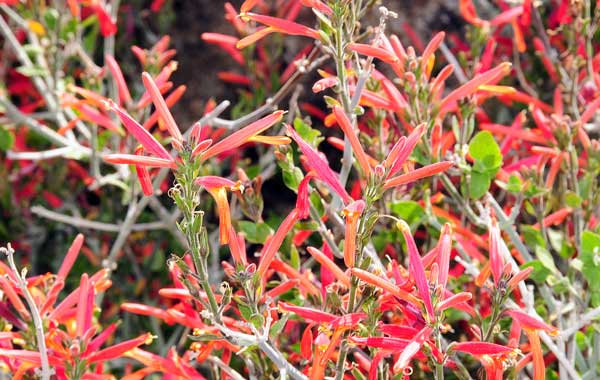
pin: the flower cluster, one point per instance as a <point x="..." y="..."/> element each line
<point x="430" y="210"/>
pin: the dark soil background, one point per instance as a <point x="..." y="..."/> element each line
<point x="199" y="62"/>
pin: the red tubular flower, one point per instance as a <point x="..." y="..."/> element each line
<point x="132" y="159"/>
<point x="507" y="16"/>
<point x="453" y="301"/>
<point x="430" y="49"/>
<point x="227" y="43"/>
<point x="119" y="349"/>
<point x="70" y="257"/>
<point x="217" y="187"/>
<point x="374" y="51"/>
<point x="489" y="77"/>
<point x="309" y="314"/>
<point x="351" y="135"/>
<point x="282" y="26"/>
<point x="237" y="246"/>
<point x="497" y="247"/>
<point x="141" y="134"/>
<point x="318" y="5"/>
<point x="352" y="214"/>
<point x="306" y="284"/>
<point x="330" y="265"/>
<point x="243" y="135"/>
<point x="320" y="166"/>
<point x="303" y="201"/>
<point x="481" y="348"/>
<point x="402" y="149"/>
<point x="522" y="275"/>
<point x="535" y="346"/>
<point x="386" y="343"/>
<point x="256" y="36"/>
<point x="171" y="100"/>
<point x="270" y="249"/>
<point x="425" y="171"/>
<point x="107" y="26"/>
<point x="412" y="348"/>
<point x="416" y="268"/>
<point x="163" y="109"/>
<point x="85" y="306"/>
<point x="324" y="83"/>
<point x="444" y="247"/>
<point x="384" y="285"/>
<point x="115" y="70"/>
<point x="528" y="322"/>
<point x="143" y="174"/>
<point x="468" y="12"/>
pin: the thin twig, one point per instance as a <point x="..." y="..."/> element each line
<point x="35" y="313"/>
<point x="98" y="226"/>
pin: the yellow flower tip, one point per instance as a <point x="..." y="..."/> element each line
<point x="173" y="65"/>
<point x="507" y="66"/>
<point x="402" y="226"/>
<point x="238" y="186"/>
<point x="554" y="332"/>
<point x="244" y="16"/>
<point x="197" y="332"/>
<point x="109" y="104"/>
<point x="36" y="28"/>
<point x="503" y="90"/>
<point x="149" y="338"/>
<point x="271" y="140"/>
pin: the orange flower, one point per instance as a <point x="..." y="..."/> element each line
<point x="352" y="214"/>
<point x="352" y="136"/>
<point x="489" y="77"/>
<point x="243" y="135"/>
<point x="141" y="134"/>
<point x="416" y="268"/>
<point x="329" y="264"/>
<point x="412" y="348"/>
<point x="132" y="159"/>
<point x="143" y="174"/>
<point x="217" y="187"/>
<point x="320" y="166"/>
<point x="119" y="349"/>
<point x="282" y="26"/>
<point x="384" y="284"/>
<point x="416" y="174"/>
<point x="115" y="70"/>
<point x="163" y="110"/>
<point x="274" y="243"/>
<point x="374" y="51"/>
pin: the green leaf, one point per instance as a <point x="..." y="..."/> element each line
<point x="255" y="233"/>
<point x="514" y="184"/>
<point x="540" y="272"/>
<point x="278" y="326"/>
<point x="205" y="337"/>
<point x="6" y="139"/>
<point x="409" y="211"/>
<point x="50" y="17"/>
<point x="479" y="185"/>
<point x="572" y="199"/>
<point x="244" y="309"/>
<point x="532" y="236"/>
<point x="545" y="257"/>
<point x="32" y="71"/>
<point x="483" y="148"/>
<point x="590" y="256"/>
<point x="317" y="202"/>
<point x="309" y="134"/>
<point x="292" y="178"/>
